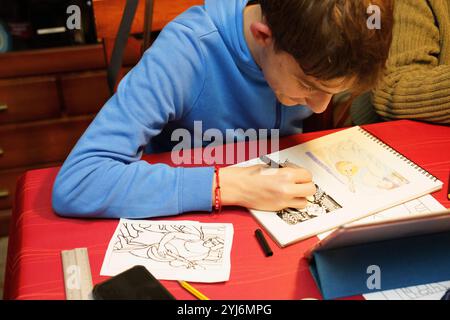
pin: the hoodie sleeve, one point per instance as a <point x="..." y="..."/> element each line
<point x="103" y="176"/>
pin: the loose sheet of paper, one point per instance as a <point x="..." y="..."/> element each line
<point x="432" y="291"/>
<point x="171" y="250"/>
<point x="422" y="205"/>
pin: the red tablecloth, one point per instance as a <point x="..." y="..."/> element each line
<point x="37" y="235"/>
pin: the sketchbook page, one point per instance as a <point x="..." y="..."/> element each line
<point x="171" y="250"/>
<point x="355" y="177"/>
<point x="431" y="291"/>
<point x="422" y="205"/>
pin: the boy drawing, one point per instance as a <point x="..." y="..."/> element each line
<point x="230" y="64"/>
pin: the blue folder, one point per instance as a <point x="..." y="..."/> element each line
<point x="408" y="252"/>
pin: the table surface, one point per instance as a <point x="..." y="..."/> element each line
<point x="37" y="234"/>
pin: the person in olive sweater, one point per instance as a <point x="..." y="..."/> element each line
<point x="416" y="83"/>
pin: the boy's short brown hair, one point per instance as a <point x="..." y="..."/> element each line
<point x="331" y="39"/>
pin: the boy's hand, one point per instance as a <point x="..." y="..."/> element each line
<point x="263" y="188"/>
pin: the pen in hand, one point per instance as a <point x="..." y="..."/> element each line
<point x="270" y="162"/>
<point x="273" y="164"/>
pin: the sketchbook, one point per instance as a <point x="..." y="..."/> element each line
<point x="356" y="175"/>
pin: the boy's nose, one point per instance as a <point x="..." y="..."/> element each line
<point x="320" y="103"/>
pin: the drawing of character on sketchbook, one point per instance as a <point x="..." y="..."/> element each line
<point x="179" y="246"/>
<point x="319" y="204"/>
<point x="356" y="168"/>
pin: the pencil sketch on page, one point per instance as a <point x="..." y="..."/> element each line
<point x="356" y="168"/>
<point x="173" y="250"/>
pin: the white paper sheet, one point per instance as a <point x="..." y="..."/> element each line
<point x="432" y="291"/>
<point x="171" y="250"/>
<point x="425" y="204"/>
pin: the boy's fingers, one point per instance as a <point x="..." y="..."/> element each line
<point x="297" y="175"/>
<point x="302" y="190"/>
<point x="301" y="175"/>
<point x="298" y="203"/>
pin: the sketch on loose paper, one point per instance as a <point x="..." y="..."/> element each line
<point x="179" y="246"/>
<point x="172" y="250"/>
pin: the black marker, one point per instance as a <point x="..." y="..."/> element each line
<point x="263" y="242"/>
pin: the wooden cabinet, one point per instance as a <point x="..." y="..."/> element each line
<point x="35" y="145"/>
<point x="29" y="99"/>
<point x="8" y="180"/>
<point x="48" y="97"/>
<point x="51" y="61"/>
<point x="40" y="142"/>
<point x="77" y="91"/>
<point x="47" y="100"/>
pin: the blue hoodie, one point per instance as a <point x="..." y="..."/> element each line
<point x="199" y="68"/>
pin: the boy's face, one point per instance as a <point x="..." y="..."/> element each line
<point x="282" y="72"/>
<point x="291" y="85"/>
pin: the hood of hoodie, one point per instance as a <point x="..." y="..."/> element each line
<point x="228" y="17"/>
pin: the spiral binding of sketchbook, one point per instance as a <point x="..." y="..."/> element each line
<point x="398" y="154"/>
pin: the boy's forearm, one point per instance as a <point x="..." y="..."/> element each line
<point x="138" y="190"/>
<point x="231" y="186"/>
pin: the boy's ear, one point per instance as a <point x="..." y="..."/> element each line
<point x="261" y="33"/>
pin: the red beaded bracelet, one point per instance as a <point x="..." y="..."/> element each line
<point x="217" y="196"/>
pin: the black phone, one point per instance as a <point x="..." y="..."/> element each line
<point x="136" y="283"/>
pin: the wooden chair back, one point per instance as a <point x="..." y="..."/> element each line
<point x="108" y="14"/>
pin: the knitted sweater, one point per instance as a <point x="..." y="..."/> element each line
<point x="417" y="80"/>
